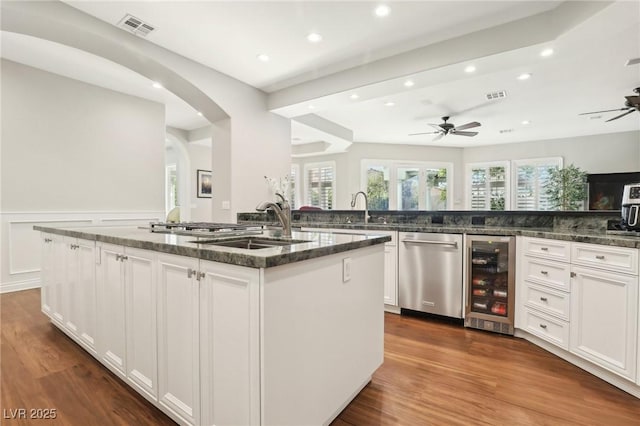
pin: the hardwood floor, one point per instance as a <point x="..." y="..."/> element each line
<point x="434" y="374"/>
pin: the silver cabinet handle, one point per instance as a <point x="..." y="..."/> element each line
<point x="124" y="257"/>
<point x="544" y="248"/>
<point x="573" y="275"/>
<point x="439" y="243"/>
<point x="600" y="257"/>
<point x="544" y="272"/>
<point x="190" y="273"/>
<point x="118" y="256"/>
<point x="544" y="299"/>
<point x="544" y="326"/>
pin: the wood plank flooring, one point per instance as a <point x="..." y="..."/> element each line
<point x="434" y="374"/>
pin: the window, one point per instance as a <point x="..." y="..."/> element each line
<point x="171" y="187"/>
<point x="319" y="184"/>
<point x="294" y="186"/>
<point x="406" y="185"/>
<point x="488" y="186"/>
<point x="530" y="178"/>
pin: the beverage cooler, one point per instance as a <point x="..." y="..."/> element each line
<point x="490" y="283"/>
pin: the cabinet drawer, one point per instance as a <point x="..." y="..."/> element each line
<point x="552" y="302"/>
<point x="548" y="249"/>
<point x="618" y="259"/>
<point x="552" y="274"/>
<point x="548" y="328"/>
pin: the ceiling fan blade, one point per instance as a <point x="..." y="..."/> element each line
<point x="457" y="133"/>
<point x="607" y="110"/>
<point x="468" y="126"/>
<point x="437" y="138"/>
<point x="621" y="115"/>
<point x="435" y="126"/>
<point x="423" y="133"/>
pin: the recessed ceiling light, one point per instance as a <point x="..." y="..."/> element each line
<point x="526" y="122"/>
<point x="546" y="52"/>
<point x="263" y="57"/>
<point x="389" y="103"/>
<point x="314" y="37"/>
<point x="157" y="85"/>
<point x="354" y="96"/>
<point x="525" y="76"/>
<point x="311" y="107"/>
<point x="470" y="69"/>
<point x="382" y="10"/>
<point x="408" y="83"/>
<point x="199" y="113"/>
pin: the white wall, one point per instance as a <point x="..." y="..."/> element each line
<point x="72" y="153"/>
<point x="200" y="156"/>
<point x="610" y="153"/>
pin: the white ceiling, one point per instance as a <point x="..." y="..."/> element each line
<point x="586" y="73"/>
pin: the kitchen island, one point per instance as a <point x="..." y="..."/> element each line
<point x="211" y="334"/>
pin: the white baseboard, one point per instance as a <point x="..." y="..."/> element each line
<point x="19" y="285"/>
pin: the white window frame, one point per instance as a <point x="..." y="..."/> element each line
<point x="307" y="166"/>
<point x="296" y="192"/>
<point x="486" y="165"/>
<point x="167" y="185"/>
<point x="535" y="162"/>
<point x="393" y="165"/>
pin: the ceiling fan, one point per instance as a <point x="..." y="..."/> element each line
<point x="445" y="129"/>
<point x="631" y="104"/>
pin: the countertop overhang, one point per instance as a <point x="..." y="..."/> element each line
<point x="320" y="244"/>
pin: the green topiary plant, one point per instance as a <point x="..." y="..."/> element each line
<point x="567" y="188"/>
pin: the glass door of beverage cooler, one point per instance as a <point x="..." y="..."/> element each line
<point x="490" y="283"/>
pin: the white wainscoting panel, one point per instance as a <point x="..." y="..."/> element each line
<point x="20" y="253"/>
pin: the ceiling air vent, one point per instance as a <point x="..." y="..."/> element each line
<point x="506" y="131"/>
<point x="135" y="25"/>
<point x="496" y="95"/>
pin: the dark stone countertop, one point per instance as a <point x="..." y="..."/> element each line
<point x="593" y="236"/>
<point x="319" y="244"/>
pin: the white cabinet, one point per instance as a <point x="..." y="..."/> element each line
<point x="604" y="318"/>
<point x="127" y="315"/>
<point x="544" y="289"/>
<point x="178" y="337"/>
<point x="390" y="259"/>
<point x="68" y="286"/>
<point x="583" y="298"/>
<point x="79" y="299"/>
<point x="229" y="344"/>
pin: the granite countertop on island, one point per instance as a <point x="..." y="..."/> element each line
<point x="317" y="244"/>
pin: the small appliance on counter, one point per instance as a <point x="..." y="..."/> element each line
<point x="631" y="207"/>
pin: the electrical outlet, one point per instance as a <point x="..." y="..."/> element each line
<point x="346" y="269"/>
<point x="226" y="205"/>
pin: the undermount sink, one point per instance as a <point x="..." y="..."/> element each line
<point x="251" y="243"/>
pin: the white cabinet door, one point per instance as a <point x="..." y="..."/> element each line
<point x="391" y="274"/>
<point x="178" y="337"/>
<point x="47" y="290"/>
<point x="604" y="319"/>
<point x="58" y="279"/>
<point x="229" y="344"/>
<point x="140" y="300"/>
<point x="80" y="292"/>
<point x="111" y="309"/>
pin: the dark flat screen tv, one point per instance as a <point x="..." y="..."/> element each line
<point x="605" y="189"/>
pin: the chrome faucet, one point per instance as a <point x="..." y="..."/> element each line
<point x="283" y="213"/>
<point x="354" y="198"/>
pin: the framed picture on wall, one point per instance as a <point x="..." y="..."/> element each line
<point x="204" y="184"/>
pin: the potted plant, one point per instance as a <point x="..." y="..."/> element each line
<point x="567" y="188"/>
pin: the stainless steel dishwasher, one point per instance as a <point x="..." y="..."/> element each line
<point x="430" y="273"/>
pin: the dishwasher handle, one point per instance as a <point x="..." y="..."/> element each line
<point x="439" y="243"/>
